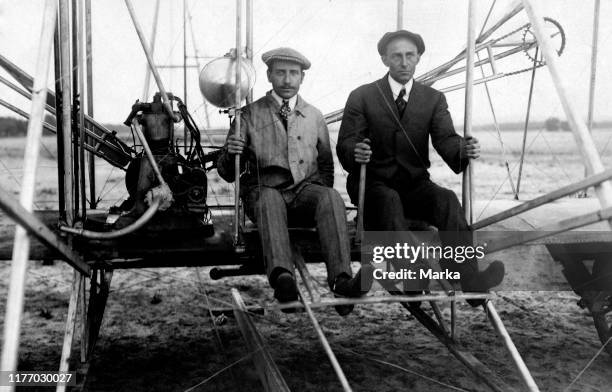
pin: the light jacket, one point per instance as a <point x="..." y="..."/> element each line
<point x="284" y="158"/>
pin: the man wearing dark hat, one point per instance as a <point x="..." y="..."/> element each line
<point x="290" y="179"/>
<point x="397" y="116"/>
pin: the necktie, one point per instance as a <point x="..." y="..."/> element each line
<point x="284" y="112"/>
<point x="399" y="101"/>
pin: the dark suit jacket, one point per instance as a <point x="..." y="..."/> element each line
<point x="400" y="146"/>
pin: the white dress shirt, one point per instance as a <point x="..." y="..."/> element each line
<point x="279" y="99"/>
<point x="396" y="87"/>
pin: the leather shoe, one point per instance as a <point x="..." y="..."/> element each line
<point x="492" y="276"/>
<point x="285" y="289"/>
<point x="414" y="304"/>
<point x="354" y="287"/>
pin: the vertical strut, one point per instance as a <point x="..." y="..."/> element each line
<point x="59" y="119"/>
<point x="468" y="186"/>
<point x="21" y="248"/>
<point x="400" y="14"/>
<point x="73" y="305"/>
<point x="593" y="63"/>
<point x="249" y="41"/>
<point x="237" y="125"/>
<point x="76" y="107"/>
<point x="185" y="69"/>
<point x="90" y="105"/>
<point x="593" y="72"/>
<point x="66" y="72"/>
<point x="78" y="26"/>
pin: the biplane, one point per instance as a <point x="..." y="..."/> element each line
<point x="190" y="232"/>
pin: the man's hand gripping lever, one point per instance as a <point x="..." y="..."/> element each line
<point x="235" y="146"/>
<point x="363" y="152"/>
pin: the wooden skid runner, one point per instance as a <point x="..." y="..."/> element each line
<point x="92" y="313"/>
<point x="480" y="370"/>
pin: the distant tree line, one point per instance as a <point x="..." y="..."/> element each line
<point x="555" y="124"/>
<point x="13" y="127"/>
<point x="550" y="124"/>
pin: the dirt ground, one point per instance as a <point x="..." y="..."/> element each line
<point x="157" y="334"/>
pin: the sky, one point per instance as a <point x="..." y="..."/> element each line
<point x="338" y="36"/>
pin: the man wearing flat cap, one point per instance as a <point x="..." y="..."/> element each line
<point x="387" y="125"/>
<point x="290" y="180"/>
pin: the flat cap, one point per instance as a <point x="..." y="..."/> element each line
<point x="388" y="37"/>
<point x="285" y="54"/>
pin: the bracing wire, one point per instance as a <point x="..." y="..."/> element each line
<point x="10" y="173"/>
<point x="228" y="367"/>
<point x="532" y="83"/>
<point x="484" y="24"/>
<point x="504" y="181"/>
<point x="597" y="354"/>
<point x="497" y="128"/>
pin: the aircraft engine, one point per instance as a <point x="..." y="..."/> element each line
<point x="184" y="171"/>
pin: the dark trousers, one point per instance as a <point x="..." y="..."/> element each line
<point x="388" y="208"/>
<point x="310" y="205"/>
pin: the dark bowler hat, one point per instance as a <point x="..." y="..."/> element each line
<point x="388" y="37"/>
<point x="285" y="54"/>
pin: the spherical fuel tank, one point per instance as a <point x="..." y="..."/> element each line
<point x="218" y="81"/>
